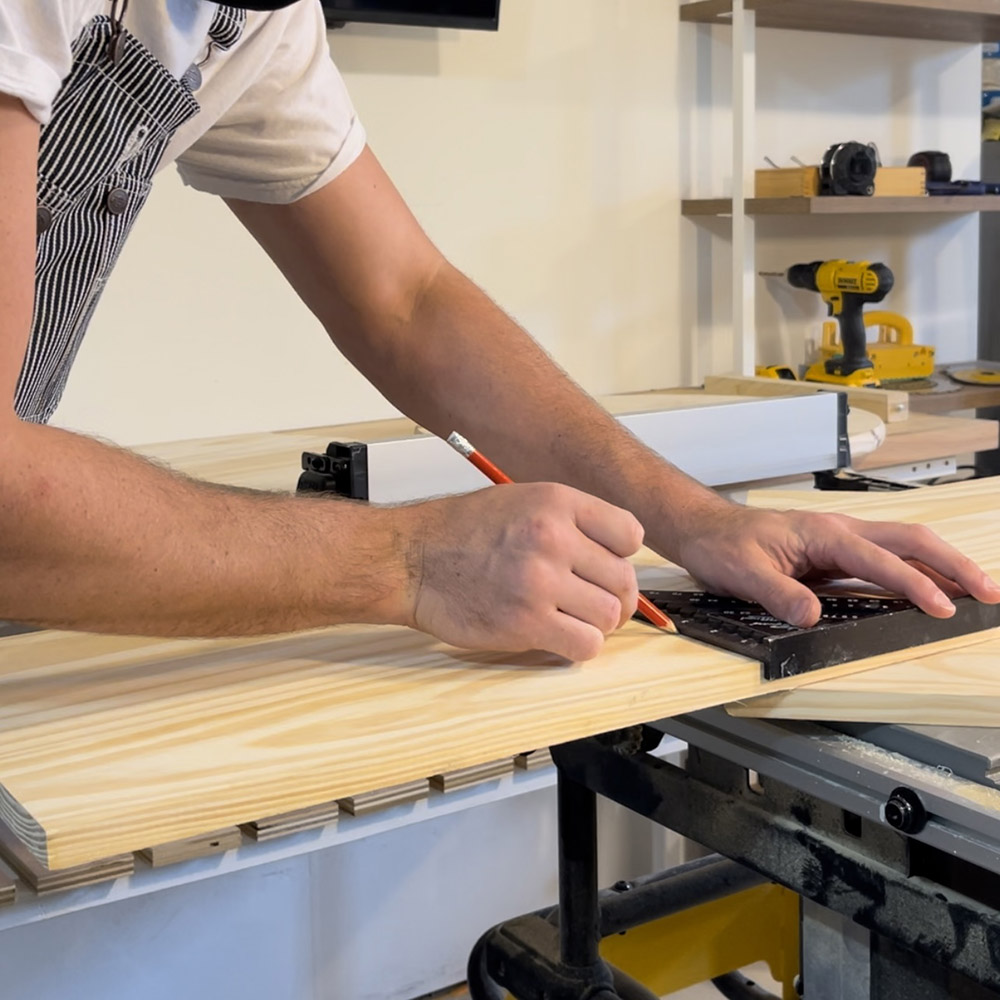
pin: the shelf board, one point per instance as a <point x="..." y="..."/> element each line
<point x="921" y="205"/>
<point x="943" y="20"/>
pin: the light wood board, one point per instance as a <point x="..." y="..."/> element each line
<point x="109" y="744"/>
<point x="925" y="436"/>
<point x="890" y="405"/>
<point x="954" y="685"/>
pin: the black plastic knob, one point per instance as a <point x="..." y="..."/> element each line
<point x="905" y="812"/>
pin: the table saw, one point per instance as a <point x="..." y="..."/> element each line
<point x="891" y="836"/>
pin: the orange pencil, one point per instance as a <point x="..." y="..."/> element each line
<point x="497" y="475"/>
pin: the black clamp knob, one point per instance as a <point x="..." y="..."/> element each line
<point x="905" y="812"/>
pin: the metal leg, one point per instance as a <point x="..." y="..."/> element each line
<point x="579" y="917"/>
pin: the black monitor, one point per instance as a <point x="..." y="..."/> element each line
<point x="482" y="14"/>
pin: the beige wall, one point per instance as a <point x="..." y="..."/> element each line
<point x="547" y="160"/>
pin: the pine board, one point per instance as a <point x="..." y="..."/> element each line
<point x="42" y="880"/>
<point x="109" y="744"/>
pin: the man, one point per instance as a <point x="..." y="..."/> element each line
<point x="95" y="99"/>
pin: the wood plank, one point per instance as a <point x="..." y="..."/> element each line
<point x="475" y="774"/>
<point x="830" y="205"/>
<point x="533" y="760"/>
<point x="402" y="794"/>
<point x="187" y="849"/>
<point x="225" y="731"/>
<point x="26" y="866"/>
<point x="960" y="21"/>
<point x="890" y="405"/>
<point x="296" y="821"/>
<point x="109" y="744"/>
<point x="957" y="686"/>
<point x="925" y="436"/>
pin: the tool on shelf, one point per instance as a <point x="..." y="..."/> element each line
<point x="937" y="167"/>
<point x="846" y="287"/>
<point x="849" y="168"/>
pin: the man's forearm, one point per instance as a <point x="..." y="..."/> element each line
<point x="96" y="538"/>
<point x="462" y="364"/>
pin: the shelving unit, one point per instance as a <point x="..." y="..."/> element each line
<point x="945" y="205"/>
<point x="940" y="20"/>
<point x="970" y="21"/>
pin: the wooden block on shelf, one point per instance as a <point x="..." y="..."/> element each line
<point x="189" y="848"/>
<point x="383" y="798"/>
<point x="465" y="777"/>
<point x="926" y="437"/>
<point x="292" y="822"/>
<point x="803" y="182"/>
<point x="27" y="867"/>
<point x="533" y="760"/>
<point x="890" y="405"/>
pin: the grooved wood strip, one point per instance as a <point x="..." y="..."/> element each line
<point x="295" y="821"/>
<point x="382" y="798"/>
<point x="200" y="846"/>
<point x="465" y="777"/>
<point x="534" y="760"/>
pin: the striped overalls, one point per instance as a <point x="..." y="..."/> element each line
<point x="111" y="122"/>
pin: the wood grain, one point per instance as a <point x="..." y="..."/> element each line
<point x="43" y="880"/>
<point x="924" y="437"/>
<point x="952" y="687"/>
<point x="109" y="744"/>
<point x="890" y="405"/>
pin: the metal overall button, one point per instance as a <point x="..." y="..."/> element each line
<point x="192" y="77"/>
<point x="117" y="200"/>
<point x="43" y="219"/>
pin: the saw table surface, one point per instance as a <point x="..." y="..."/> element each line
<point x="112" y="744"/>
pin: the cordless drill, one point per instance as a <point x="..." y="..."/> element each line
<point x="846" y="286"/>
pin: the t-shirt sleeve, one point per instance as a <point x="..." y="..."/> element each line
<point x="36" y="42"/>
<point x="291" y="130"/>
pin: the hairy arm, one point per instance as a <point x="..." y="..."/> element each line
<point x="449" y="358"/>
<point x="93" y="537"/>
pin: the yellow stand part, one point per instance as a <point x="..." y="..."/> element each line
<point x="894" y="356"/>
<point x="696" y="945"/>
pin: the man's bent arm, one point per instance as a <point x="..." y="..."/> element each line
<point x="97" y="538"/>
<point x="449" y="358"/>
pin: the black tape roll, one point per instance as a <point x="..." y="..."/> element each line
<point x="936" y="164"/>
<point x="849" y="168"/>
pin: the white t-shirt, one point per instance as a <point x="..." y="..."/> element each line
<point x="276" y="121"/>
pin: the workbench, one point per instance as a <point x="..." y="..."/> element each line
<point x="110" y="746"/>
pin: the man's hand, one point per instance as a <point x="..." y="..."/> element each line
<point x="517" y="567"/>
<point x="761" y="555"/>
